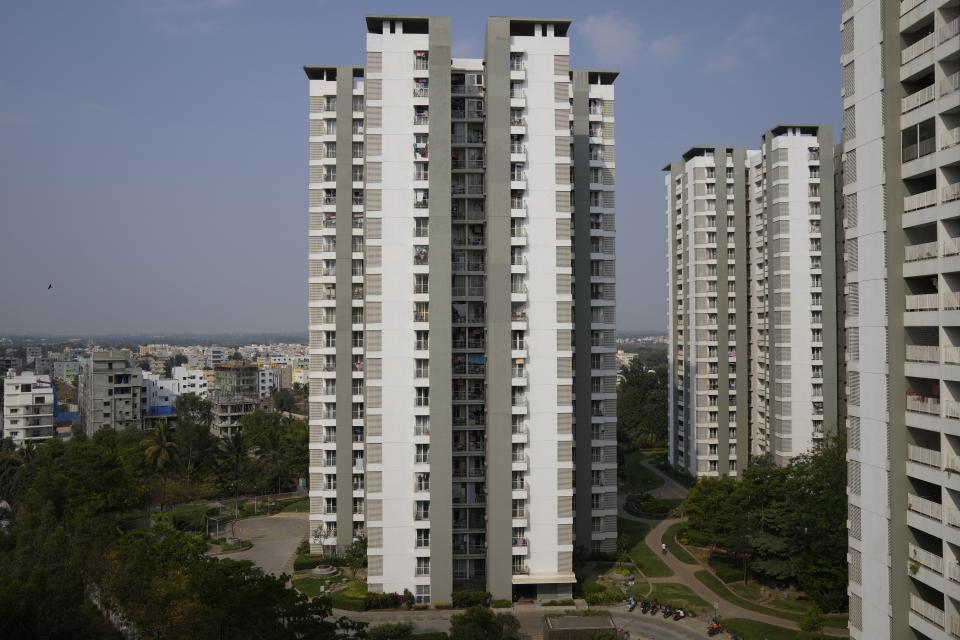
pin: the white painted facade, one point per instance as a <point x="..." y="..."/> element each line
<point x="190" y="381"/>
<point x="159" y="391"/>
<point x="28" y="407"/>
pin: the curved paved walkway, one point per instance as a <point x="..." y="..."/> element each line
<point x="275" y="539"/>
<point x="684" y="573"/>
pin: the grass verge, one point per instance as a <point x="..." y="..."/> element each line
<point x="670" y="539"/>
<point x="636" y="476"/>
<point x="714" y="583"/>
<point x="643" y="556"/>
<point x="679" y="595"/>
<point x="753" y="630"/>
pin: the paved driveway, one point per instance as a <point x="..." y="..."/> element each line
<point x="275" y="540"/>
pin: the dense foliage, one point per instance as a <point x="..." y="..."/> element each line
<point x="61" y="542"/>
<point x="785" y="524"/>
<point x="642" y="405"/>
<point x="480" y="623"/>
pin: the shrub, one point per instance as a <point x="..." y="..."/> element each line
<point x="343" y="600"/>
<point x="442" y="604"/>
<point x="501" y="604"/>
<point x="432" y="635"/>
<point x="465" y="599"/>
<point x="565" y="602"/>
<point x="421" y="607"/>
<point x="310" y="560"/>
<point x="390" y="631"/>
<point x="190" y="517"/>
<point x="376" y="600"/>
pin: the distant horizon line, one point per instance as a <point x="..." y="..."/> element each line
<point x="208" y="334"/>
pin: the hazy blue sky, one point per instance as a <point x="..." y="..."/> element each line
<point x="153" y="152"/>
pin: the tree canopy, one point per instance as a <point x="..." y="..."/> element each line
<point x="787" y="523"/>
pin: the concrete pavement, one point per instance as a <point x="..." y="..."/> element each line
<point x="275" y="539"/>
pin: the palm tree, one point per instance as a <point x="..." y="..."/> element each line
<point x="233" y="451"/>
<point x="161" y="452"/>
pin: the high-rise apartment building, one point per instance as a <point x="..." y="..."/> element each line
<point x="28" y="407"/>
<point x="901" y="190"/>
<point x="451" y="416"/>
<point x="752" y="301"/>
<point x="111" y="391"/>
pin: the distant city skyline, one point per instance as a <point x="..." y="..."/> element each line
<point x="156" y="184"/>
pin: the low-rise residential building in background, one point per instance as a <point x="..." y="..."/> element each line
<point x="29" y="405"/>
<point x="110" y="391"/>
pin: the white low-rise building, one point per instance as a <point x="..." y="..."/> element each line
<point x="28" y="407"/>
<point x="190" y="381"/>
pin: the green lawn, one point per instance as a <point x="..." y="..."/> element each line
<point x="643" y="556"/>
<point x="679" y="595"/>
<point x="670" y="539"/>
<point x="754" y="593"/>
<point x="713" y="583"/>
<point x="636" y="477"/>
<point x="300" y="505"/>
<point x="752" y="630"/>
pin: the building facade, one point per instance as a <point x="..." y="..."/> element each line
<point x="444" y="198"/>
<point x="110" y="390"/>
<point x="901" y="188"/>
<point x="28" y="407"/>
<point x="752" y="301"/>
<point x="190" y="381"/>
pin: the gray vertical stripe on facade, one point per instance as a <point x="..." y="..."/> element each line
<point x="723" y="404"/>
<point x="583" y="317"/>
<point x="900" y="587"/>
<point x="773" y="324"/>
<point x="742" y="276"/>
<point x="498" y="403"/>
<point x="828" y="261"/>
<point x="344" y="303"/>
<point x="441" y="397"/>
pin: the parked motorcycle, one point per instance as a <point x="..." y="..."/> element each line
<point x="678" y="614"/>
<point x="653" y="609"/>
<point x="644" y="606"/>
<point x="631" y="603"/>
<point x="714" y="629"/>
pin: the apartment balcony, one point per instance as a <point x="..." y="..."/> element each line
<point x="918" y="99"/>
<point x="923" y="302"/>
<point x="923" y="353"/>
<point x="924" y="456"/>
<point x="926" y="610"/>
<point x="918" y="48"/>
<point x="520" y="463"/>
<point x="950" y="138"/>
<point x="950" y="192"/>
<point x="925" y="558"/>
<point x="920" y="201"/>
<point x="950" y="84"/>
<point x="521" y="570"/>
<point x="949" y="30"/>
<point x="928" y="508"/>
<point x="520" y="547"/>
<point x="922" y="404"/>
<point x="916" y="252"/>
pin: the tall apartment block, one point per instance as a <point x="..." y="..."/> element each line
<point x="28" y="407"/>
<point x="111" y="392"/>
<point x="752" y="301"/>
<point x="901" y="189"/>
<point x="451" y="416"/>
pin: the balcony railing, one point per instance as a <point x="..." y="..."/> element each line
<point x="923" y="251"/>
<point x="919" y="47"/>
<point x="950" y="247"/>
<point x="925" y="507"/>
<point x="950" y="192"/>
<point x="929" y="457"/>
<point x="950" y="84"/>
<point x="949" y="30"/>
<point x="920" y="201"/>
<point x="908" y="5"/>
<point x="919" y="98"/>
<point x="922" y="404"/>
<point x="950" y="138"/>
<point x="420" y="92"/>
<point x="926" y="610"/>
<point x="927" y="559"/>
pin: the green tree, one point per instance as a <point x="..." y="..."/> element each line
<point x="233" y="458"/>
<point x="192" y="433"/>
<point x="161" y="451"/>
<point x="237" y="356"/>
<point x="642" y="407"/>
<point x="812" y="621"/>
<point x="283" y="400"/>
<point x="356" y="555"/>
<point x="175" y="360"/>
<point x="480" y="623"/>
